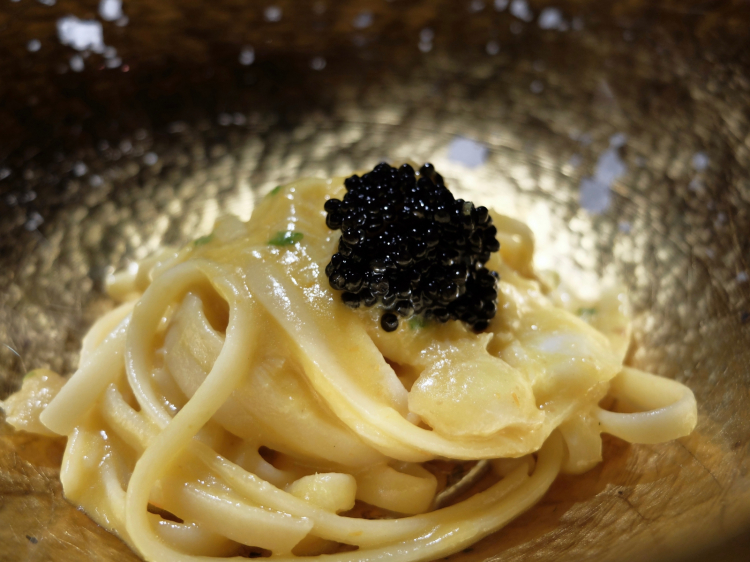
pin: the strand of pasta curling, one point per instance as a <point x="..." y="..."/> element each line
<point x="176" y="434"/>
<point x="671" y="409"/>
<point x="387" y="430"/>
<point x="274" y="407"/>
<point x="133" y="435"/>
<point x="264" y="499"/>
<point x="82" y="390"/>
<point x="201" y="532"/>
<point x="134" y="480"/>
<point x="147" y="314"/>
<point x="378" y="424"/>
<point x="441" y="532"/>
<point x="133" y="429"/>
<point x="669" y="432"/>
<point x="458" y="533"/>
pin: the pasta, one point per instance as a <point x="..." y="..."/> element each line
<point x="233" y="404"/>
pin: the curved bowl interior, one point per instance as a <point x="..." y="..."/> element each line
<point x="620" y="131"/>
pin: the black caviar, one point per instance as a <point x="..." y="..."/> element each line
<point x="410" y="246"/>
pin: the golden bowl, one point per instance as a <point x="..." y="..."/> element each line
<point x="619" y="131"/>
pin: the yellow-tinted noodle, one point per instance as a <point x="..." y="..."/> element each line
<point x="232" y="347"/>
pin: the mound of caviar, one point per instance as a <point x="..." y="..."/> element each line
<point x="410" y="246"/>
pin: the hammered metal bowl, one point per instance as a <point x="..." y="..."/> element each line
<point x="619" y="130"/>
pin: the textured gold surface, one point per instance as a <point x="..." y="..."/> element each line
<point x="102" y="166"/>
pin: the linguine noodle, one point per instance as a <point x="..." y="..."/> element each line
<point x="233" y="404"/>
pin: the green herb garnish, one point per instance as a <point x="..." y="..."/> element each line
<point x="286" y="238"/>
<point x="417" y="322"/>
<point x="203" y="240"/>
<point x="275" y="190"/>
<point x="29" y="374"/>
<point x="586" y="311"/>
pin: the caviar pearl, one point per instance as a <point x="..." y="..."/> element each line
<point x="410" y="246"/>
<point x="389" y="321"/>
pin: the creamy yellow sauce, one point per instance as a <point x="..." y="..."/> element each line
<point x="235" y="391"/>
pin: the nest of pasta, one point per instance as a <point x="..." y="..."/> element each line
<point x="234" y="404"/>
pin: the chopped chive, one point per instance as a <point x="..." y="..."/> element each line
<point x="275" y="190"/>
<point x="417" y="322"/>
<point x="586" y="311"/>
<point x="285" y="238"/>
<point x="203" y="239"/>
<point x="29" y="374"/>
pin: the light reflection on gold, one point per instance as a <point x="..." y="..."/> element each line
<point x="676" y="234"/>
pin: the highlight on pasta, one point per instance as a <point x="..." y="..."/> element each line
<point x="250" y="398"/>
